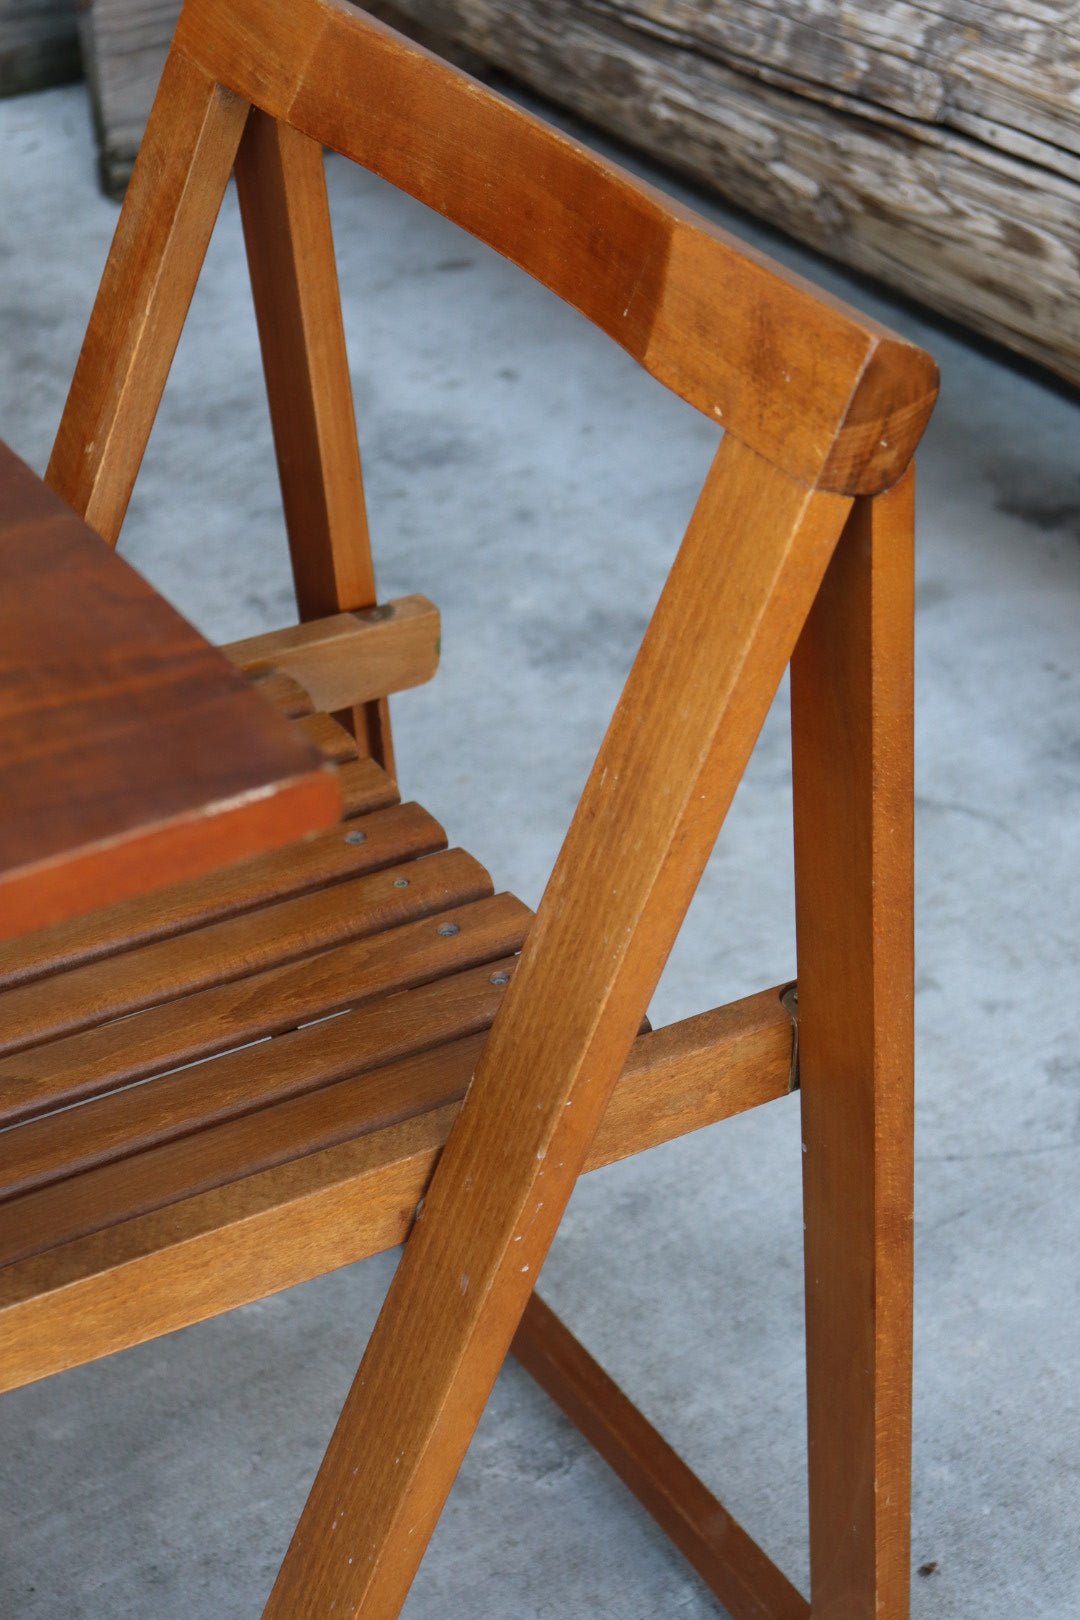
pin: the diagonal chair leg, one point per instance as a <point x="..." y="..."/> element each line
<point x="725" y="628"/>
<point x="852" y="739"/>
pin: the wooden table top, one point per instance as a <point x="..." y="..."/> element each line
<point x="132" y="754"/>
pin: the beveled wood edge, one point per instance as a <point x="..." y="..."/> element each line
<point x="169" y="851"/>
<point x="349" y="658"/>
<point x="243" y="1241"/>
<point x="729" y="1561"/>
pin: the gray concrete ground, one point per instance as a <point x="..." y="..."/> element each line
<point x="523" y="473"/>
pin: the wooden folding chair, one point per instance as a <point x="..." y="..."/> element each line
<point x="148" y="1207"/>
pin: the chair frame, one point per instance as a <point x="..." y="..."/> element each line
<point x="800" y="550"/>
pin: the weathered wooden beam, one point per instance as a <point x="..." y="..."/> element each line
<point x="934" y="146"/>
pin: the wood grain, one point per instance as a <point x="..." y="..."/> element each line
<point x="324" y="858"/>
<point x="723" y="631"/>
<point x="130" y="753"/>
<point x="164" y="1270"/>
<point x="934" y="146"/>
<point x="457" y="1001"/>
<point x="381" y="891"/>
<point x="149" y="278"/>
<point x="290" y="249"/>
<point x="771" y="359"/>
<point x="349" y="658"/>
<point x="960" y="122"/>
<point x="398" y="949"/>
<point x="852" y="744"/>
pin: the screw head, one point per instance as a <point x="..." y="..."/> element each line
<point x="356" y="837"/>
<point x="447" y="930"/>
<point x="401" y="883"/>
<point x="502" y="977"/>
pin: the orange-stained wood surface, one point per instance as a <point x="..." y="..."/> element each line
<point x="142" y="302"/>
<point x="735" y="600"/>
<point x="852" y="731"/>
<point x="290" y="250"/>
<point x="348" y="658"/>
<point x="130" y="752"/>
<point x="256" y="1233"/>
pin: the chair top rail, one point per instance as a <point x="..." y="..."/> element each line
<point x="820" y="390"/>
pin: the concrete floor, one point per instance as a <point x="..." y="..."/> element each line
<point x="529" y="478"/>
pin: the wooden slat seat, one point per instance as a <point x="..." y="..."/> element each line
<point x="180" y="1041"/>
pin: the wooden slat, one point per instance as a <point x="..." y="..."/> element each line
<point x="705" y="1068"/>
<point x="243" y="1241"/>
<point x="329" y="737"/>
<point x="149" y="278"/>
<point x="350" y="658"/>
<point x="193" y="1164"/>
<point x="288" y="696"/>
<point x="852" y="734"/>
<point x="388" y="892"/>
<point x="266" y="1003"/>
<point x="326" y="1085"/>
<point x="364" y="786"/>
<point x="307" y="865"/>
<point x="124" y="1122"/>
<point x="730" y="1562"/>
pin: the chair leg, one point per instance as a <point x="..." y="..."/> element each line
<point x="281" y="185"/>
<point x="722" y="634"/>
<point x="852" y="744"/>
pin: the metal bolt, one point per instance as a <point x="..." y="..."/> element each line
<point x="355" y="837"/>
<point x="501" y="977"/>
<point x="401" y="883"/>
<point x="448" y="930"/>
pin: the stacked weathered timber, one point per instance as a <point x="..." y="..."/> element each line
<point x="933" y="145"/>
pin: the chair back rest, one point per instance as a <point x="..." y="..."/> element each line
<point x="815" y="388"/>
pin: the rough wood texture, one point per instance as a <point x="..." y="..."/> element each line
<point x="39" y="44"/>
<point x="124" y="46"/>
<point x="130" y="752"/>
<point x="724" y="629"/>
<point x="934" y="145"/>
